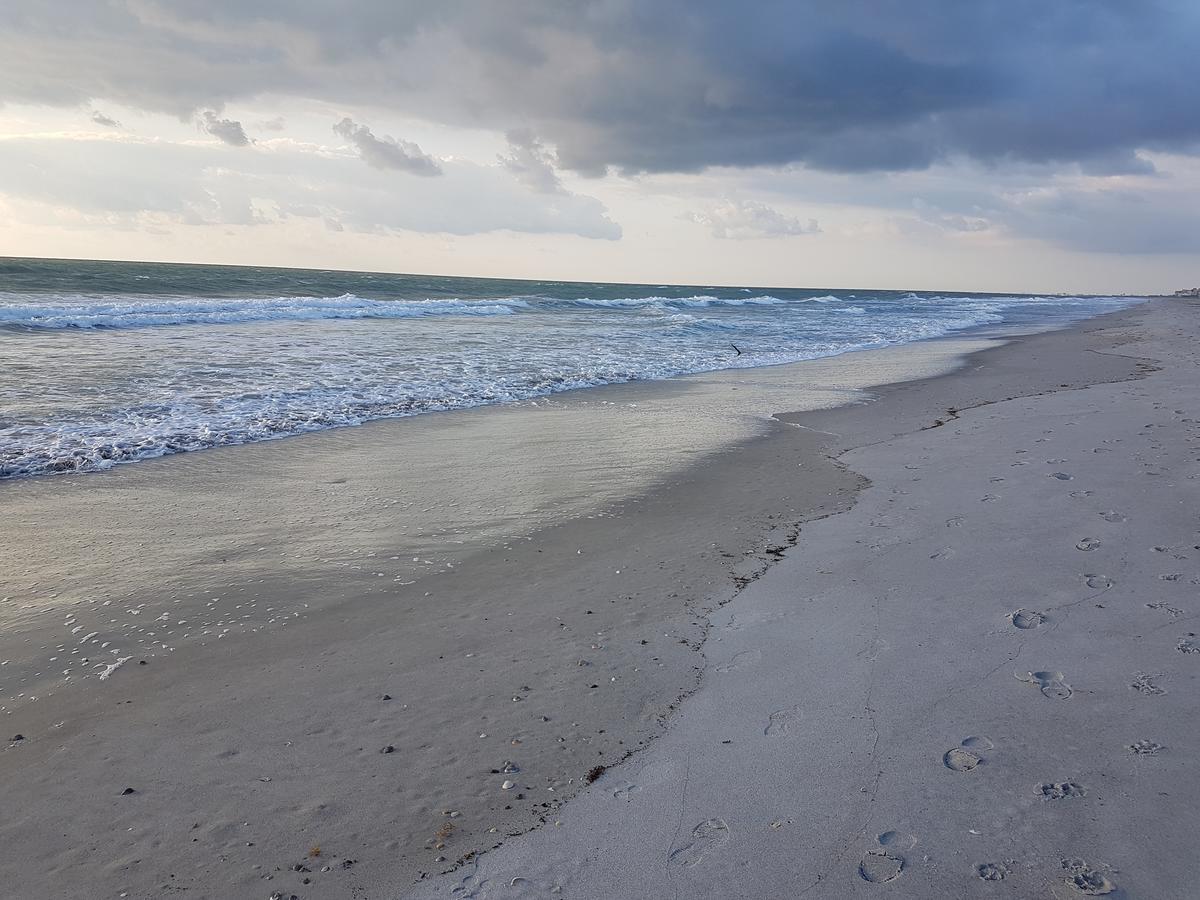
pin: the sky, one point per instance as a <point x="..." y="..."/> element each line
<point x="1006" y="145"/>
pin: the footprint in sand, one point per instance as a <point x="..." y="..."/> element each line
<point x="1169" y="610"/>
<point x="782" y="721"/>
<point x="1173" y="551"/>
<point x="1147" y="684"/>
<point x="1061" y="790"/>
<point x="1078" y="495"/>
<point x="954" y="521"/>
<point x="707" y="837"/>
<point x="1026" y="618"/>
<point x="1098" y="582"/>
<point x="885" y="863"/>
<point x="897" y="840"/>
<point x="944" y="553"/>
<point x="1145" y="748"/>
<point x="1051" y="684"/>
<point x="1087" y="544"/>
<point x="1188" y="643"/>
<point x="625" y="791"/>
<point x="880" y="866"/>
<point x="1086" y="878"/>
<point x="1061" y="476"/>
<point x="1111" y="515"/>
<point x="967" y="755"/>
<point x="960" y="760"/>
<point x="992" y="871"/>
<point x="741" y="661"/>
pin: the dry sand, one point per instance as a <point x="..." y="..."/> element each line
<point x="979" y="682"/>
<point x="858" y="720"/>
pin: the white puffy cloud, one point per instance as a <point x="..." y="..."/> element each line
<point x="744" y="219"/>
<point x="143" y="183"/>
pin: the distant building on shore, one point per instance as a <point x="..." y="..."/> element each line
<point x="1188" y="292"/>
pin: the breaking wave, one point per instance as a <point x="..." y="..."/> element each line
<point x="92" y="312"/>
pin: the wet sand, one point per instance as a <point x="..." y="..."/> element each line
<point x="981" y="681"/>
<point x="349" y="684"/>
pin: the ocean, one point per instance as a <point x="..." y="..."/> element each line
<point x="104" y="363"/>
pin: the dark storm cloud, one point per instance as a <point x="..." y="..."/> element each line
<point x="387" y="152"/>
<point x="674" y="85"/>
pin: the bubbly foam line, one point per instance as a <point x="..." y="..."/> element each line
<point x="108" y="668"/>
<point x="699" y="300"/>
<point x="81" y="312"/>
<point x="363" y="378"/>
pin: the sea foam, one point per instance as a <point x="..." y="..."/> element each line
<point x="82" y="311"/>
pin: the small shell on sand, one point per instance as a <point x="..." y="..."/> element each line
<point x="508" y="785"/>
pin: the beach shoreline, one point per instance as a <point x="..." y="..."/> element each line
<point x="981" y="673"/>
<point x="315" y="764"/>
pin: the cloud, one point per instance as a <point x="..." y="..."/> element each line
<point x="937" y="217"/>
<point x="676" y="85"/>
<point x="1117" y="220"/>
<point x="531" y="163"/>
<point x="743" y="219"/>
<point x="387" y="152"/>
<point x="101" y="119"/>
<point x="156" y="184"/>
<point x="228" y="130"/>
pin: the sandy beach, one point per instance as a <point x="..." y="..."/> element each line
<point x="932" y="640"/>
<point x="978" y="682"/>
<point x="599" y="450"/>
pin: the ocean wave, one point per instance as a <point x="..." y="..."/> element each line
<point x="690" y="321"/>
<point x="698" y="300"/>
<point x="92" y="312"/>
<point x="154" y="393"/>
<point x="764" y="300"/>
